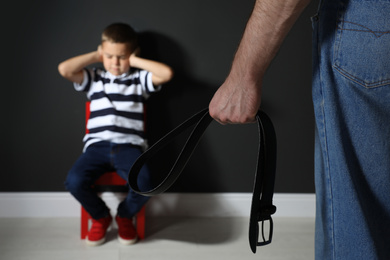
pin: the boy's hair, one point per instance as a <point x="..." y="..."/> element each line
<point x="121" y="33"/>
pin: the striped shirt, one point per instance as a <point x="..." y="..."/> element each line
<point x="117" y="106"/>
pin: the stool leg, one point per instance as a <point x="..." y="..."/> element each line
<point x="84" y="223"/>
<point x="140" y="222"/>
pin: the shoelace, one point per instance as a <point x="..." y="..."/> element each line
<point x="261" y="208"/>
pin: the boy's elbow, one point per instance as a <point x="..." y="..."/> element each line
<point x="165" y="76"/>
<point x="66" y="71"/>
<point x="169" y="74"/>
<point x="63" y="70"/>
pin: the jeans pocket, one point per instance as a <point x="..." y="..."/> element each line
<point x="362" y="43"/>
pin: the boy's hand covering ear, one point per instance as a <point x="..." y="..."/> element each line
<point x="100" y="53"/>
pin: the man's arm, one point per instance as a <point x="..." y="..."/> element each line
<point x="72" y="69"/>
<point x="161" y="73"/>
<point x="238" y="99"/>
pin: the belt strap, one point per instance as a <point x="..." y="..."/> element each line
<point x="263" y="190"/>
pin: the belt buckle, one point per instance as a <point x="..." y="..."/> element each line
<point x="265" y="215"/>
<point x="259" y="237"/>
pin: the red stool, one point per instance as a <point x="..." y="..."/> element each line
<point x="110" y="181"/>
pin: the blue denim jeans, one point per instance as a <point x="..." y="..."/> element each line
<point x="351" y="97"/>
<point x="98" y="159"/>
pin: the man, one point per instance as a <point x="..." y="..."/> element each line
<point x="351" y="96"/>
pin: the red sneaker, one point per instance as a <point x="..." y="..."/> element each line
<point x="97" y="234"/>
<point x="127" y="234"/>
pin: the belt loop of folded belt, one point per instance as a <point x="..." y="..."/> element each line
<point x="262" y="207"/>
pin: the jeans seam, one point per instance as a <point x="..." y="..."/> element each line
<point x="323" y="139"/>
<point x="372" y="85"/>
<point x="329" y="190"/>
<point x="377" y="34"/>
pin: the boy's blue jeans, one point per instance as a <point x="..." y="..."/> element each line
<point x="351" y="96"/>
<point x="98" y="159"/>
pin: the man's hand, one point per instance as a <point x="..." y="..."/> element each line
<point x="235" y="103"/>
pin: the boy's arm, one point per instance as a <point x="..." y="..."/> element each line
<point x="161" y="73"/>
<point x="72" y="69"/>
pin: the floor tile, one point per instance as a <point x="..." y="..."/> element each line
<point x="166" y="238"/>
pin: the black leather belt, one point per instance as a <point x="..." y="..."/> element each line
<point x="263" y="190"/>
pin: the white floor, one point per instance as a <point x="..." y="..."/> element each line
<point x="167" y="238"/>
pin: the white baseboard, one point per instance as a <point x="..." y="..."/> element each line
<point x="62" y="204"/>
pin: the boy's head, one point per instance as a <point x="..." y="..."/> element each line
<point x="121" y="33"/>
<point x="119" y="41"/>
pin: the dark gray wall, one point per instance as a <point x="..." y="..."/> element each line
<point x="43" y="117"/>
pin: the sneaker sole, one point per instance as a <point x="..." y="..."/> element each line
<point x="127" y="241"/>
<point x="95" y="243"/>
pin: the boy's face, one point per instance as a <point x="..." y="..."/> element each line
<point x="115" y="57"/>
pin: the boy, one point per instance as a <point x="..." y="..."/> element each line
<point x="115" y="135"/>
